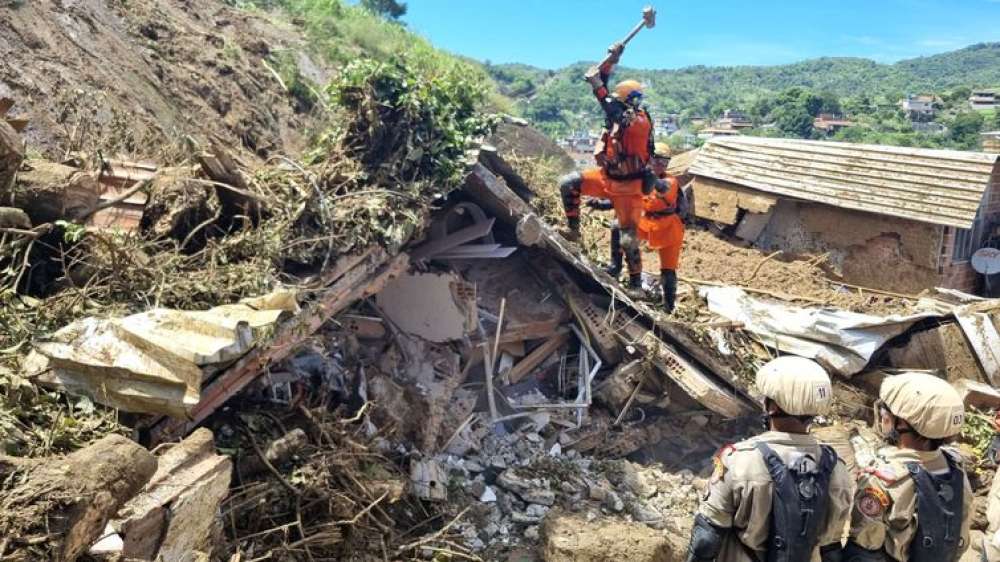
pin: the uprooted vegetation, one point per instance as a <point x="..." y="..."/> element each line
<point x="408" y="398"/>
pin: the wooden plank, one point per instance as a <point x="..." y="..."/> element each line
<point x="366" y="279"/>
<point x="698" y="384"/>
<point x="465" y="235"/>
<point x="18" y="125"/>
<point x="537" y="355"/>
<point x="985" y="342"/>
<point x="500" y="201"/>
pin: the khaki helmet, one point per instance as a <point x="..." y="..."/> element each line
<point x="627" y="89"/>
<point x="662" y="150"/>
<point x="799" y="386"/>
<point x="930" y="405"/>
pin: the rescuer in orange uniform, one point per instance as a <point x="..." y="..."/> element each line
<point x="622" y="157"/>
<point x="661" y="226"/>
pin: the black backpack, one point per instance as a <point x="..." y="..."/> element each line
<point x="799" y="502"/>
<point x="939" y="513"/>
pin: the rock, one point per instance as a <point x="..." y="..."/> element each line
<point x="488" y="495"/>
<point x="473" y="466"/>
<point x="531" y="533"/>
<point x="700" y="420"/>
<point x="531" y="491"/>
<point x="571" y="538"/>
<point x="647" y="515"/>
<point x="476" y="488"/>
<point x="599" y="490"/>
<point x="634" y="481"/>
<point x="490" y="531"/>
<point x="536" y="510"/>
<point x="614" y="502"/>
<point x="505" y="503"/>
<point x="524" y="518"/>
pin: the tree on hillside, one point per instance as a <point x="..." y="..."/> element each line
<point x="965" y="128"/>
<point x="389" y="9"/>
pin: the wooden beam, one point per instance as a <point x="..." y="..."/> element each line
<point x="537" y="355"/>
<point x="492" y="194"/>
<point x="698" y="384"/>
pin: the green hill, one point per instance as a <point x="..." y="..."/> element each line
<point x="558" y="100"/>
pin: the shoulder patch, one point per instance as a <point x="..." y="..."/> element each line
<point x="719" y="468"/>
<point x="873" y="502"/>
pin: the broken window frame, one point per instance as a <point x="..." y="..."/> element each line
<point x="967" y="240"/>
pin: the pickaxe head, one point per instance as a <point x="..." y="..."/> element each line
<point x="649" y="16"/>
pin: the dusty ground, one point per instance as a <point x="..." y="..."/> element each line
<point x="707" y="257"/>
<point x="142" y="74"/>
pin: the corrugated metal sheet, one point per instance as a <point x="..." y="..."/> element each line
<point x="934" y="186"/>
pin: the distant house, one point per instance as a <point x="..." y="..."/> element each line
<point x="712" y="132"/>
<point x="991" y="142"/>
<point x="830" y="123"/>
<point x="929" y="127"/>
<point x="919" y="107"/>
<point x="698" y="120"/>
<point x="984" y="99"/>
<point x="899" y="219"/>
<point x="732" y="119"/>
<point x="667" y="125"/>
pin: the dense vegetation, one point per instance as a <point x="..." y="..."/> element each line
<point x="786" y="95"/>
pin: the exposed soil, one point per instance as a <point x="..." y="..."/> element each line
<point x="707" y="257"/>
<point x="139" y="75"/>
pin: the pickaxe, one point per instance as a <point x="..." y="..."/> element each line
<point x="648" y="20"/>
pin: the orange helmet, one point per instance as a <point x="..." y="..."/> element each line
<point x="627" y="89"/>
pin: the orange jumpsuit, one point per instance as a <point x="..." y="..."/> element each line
<point x="660" y="226"/>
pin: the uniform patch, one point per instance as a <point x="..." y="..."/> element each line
<point x="873" y="502"/>
<point x="719" y="469"/>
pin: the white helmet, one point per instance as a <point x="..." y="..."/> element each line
<point x="799" y="386"/>
<point x="929" y="404"/>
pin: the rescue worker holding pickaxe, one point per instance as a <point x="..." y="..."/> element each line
<point x="661" y="226"/>
<point x="622" y="174"/>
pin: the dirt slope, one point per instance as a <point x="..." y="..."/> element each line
<point x="134" y="76"/>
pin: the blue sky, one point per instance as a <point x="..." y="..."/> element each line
<point x="554" y="33"/>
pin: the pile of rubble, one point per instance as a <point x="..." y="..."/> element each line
<point x="471" y="390"/>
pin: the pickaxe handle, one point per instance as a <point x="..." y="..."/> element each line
<point x="648" y="20"/>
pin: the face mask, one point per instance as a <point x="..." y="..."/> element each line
<point x="892" y="436"/>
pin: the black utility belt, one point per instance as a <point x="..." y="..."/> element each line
<point x="660" y="214"/>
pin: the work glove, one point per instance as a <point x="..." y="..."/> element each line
<point x="600" y="204"/>
<point x="593" y="76"/>
<point x="615" y="50"/>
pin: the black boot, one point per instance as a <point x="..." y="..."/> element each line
<point x="615" y="269"/>
<point x="668" y="281"/>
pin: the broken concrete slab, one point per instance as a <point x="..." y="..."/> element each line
<point x="152" y="362"/>
<point x="572" y="538"/>
<point x="177" y="512"/>
<point x="353" y="278"/>
<point x="984" y="340"/>
<point x="437" y="307"/>
<point x="428" y="481"/>
<point x="977" y="394"/>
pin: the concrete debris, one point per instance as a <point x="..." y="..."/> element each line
<point x="436" y="307"/>
<point x="177" y="513"/>
<point x="429" y="481"/>
<point x="152" y="362"/>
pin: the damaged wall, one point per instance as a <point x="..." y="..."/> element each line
<point x="958" y="274"/>
<point x="864" y="248"/>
